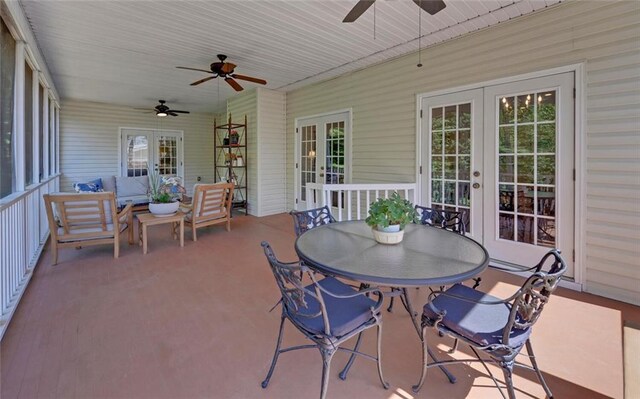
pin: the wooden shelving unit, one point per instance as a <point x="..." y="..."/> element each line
<point x="230" y="149"/>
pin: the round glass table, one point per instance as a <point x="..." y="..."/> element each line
<point x="426" y="256"/>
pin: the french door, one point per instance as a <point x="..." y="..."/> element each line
<point x="157" y="149"/>
<point x="323" y="153"/>
<point x="505" y="155"/>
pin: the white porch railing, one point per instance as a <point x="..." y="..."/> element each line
<point x="23" y="232"/>
<point x="351" y="201"/>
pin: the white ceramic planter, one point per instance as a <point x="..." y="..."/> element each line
<point x="166" y="209"/>
<point x="388" y="237"/>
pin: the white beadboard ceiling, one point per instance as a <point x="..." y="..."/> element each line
<point x="125" y="52"/>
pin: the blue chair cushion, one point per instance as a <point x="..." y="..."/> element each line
<point x="344" y="314"/>
<point x="480" y="323"/>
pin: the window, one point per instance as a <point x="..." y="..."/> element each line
<point x="52" y="139"/>
<point x="7" y="77"/>
<point x="28" y="125"/>
<point x="41" y="131"/>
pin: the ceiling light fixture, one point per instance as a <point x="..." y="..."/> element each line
<point x="161" y="114"/>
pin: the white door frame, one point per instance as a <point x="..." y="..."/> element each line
<point x="296" y="148"/>
<point x="580" y="150"/>
<point x="152" y="143"/>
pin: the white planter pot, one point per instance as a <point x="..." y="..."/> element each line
<point x="167" y="209"/>
<point x="394" y="228"/>
<point x="388" y="237"/>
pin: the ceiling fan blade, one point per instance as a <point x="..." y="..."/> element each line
<point x="233" y="84"/>
<point x="431" y="6"/>
<point x="197" y="82"/>
<point x="171" y="113"/>
<point x="179" y="112"/>
<point x="249" y="78"/>
<point x="144" y="109"/>
<point x="358" y="10"/>
<point x="194" y="69"/>
<point x="228" y="67"/>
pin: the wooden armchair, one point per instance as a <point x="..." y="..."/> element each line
<point x="211" y="205"/>
<point x="81" y="219"/>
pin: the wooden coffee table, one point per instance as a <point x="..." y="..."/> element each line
<point x="148" y="219"/>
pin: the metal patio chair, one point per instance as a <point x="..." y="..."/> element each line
<point x="497" y="327"/>
<point x="306" y="220"/>
<point x="327" y="311"/>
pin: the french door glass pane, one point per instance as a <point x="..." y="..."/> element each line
<point x="527" y="157"/>
<point x="167" y="155"/>
<point x="137" y="155"/>
<point x="451" y="158"/>
<point x="334" y="155"/>
<point x="308" y="159"/>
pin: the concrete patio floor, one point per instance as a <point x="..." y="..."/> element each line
<point x="194" y="322"/>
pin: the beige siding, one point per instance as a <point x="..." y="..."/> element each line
<point x="602" y="34"/>
<point x="238" y="106"/>
<point x="89" y="140"/>
<point x="271" y="152"/>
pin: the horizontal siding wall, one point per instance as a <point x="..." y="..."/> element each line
<point x="238" y="106"/>
<point x="89" y="142"/>
<point x="272" y="154"/>
<point x="602" y="34"/>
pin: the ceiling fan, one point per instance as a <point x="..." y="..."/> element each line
<point x="431" y="6"/>
<point x="162" y="110"/>
<point x="224" y="70"/>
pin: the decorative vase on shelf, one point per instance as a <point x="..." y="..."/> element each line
<point x="164" y="209"/>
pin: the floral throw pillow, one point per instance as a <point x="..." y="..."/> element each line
<point x="93" y="186"/>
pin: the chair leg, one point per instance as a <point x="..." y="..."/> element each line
<point x="534" y="363"/>
<point x="425" y="358"/>
<point x="390" y="308"/>
<point x="54" y="253"/>
<point x="477" y="281"/>
<point x="193" y="233"/>
<point x="345" y="370"/>
<point x="385" y="384"/>
<point x="507" y="369"/>
<point x="228" y="224"/>
<point x="454" y="348"/>
<point x="116" y="248"/>
<point x="275" y="355"/>
<point x="327" y="355"/>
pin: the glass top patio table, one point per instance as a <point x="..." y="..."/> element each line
<point x="426" y="256"/>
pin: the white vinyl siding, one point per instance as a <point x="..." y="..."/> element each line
<point x="238" y="106"/>
<point x="601" y="34"/>
<point x="89" y="140"/>
<point x="272" y="152"/>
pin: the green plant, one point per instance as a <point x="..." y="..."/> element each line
<point x="163" y="190"/>
<point x="391" y="211"/>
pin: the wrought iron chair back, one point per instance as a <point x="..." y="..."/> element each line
<point x="306" y="220"/>
<point x="528" y="302"/>
<point x="449" y="220"/>
<point x="289" y="280"/>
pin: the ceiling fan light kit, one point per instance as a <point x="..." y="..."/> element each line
<point x="224" y="70"/>
<point x="163" y="110"/>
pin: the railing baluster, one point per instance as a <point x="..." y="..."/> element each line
<point x="358" y="204"/>
<point x="349" y="215"/>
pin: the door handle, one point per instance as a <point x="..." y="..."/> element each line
<point x="321" y="174"/>
<point x="476" y="185"/>
<point x="476" y="173"/>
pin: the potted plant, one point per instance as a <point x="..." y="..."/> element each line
<point x="163" y="194"/>
<point x="388" y="218"/>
